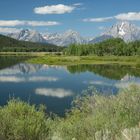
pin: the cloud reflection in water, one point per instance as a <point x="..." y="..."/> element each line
<point x="58" y="92"/>
<point x="16" y="79"/>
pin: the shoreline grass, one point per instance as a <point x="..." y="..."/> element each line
<point x="54" y="58"/>
<point x="73" y="60"/>
<point x="27" y="53"/>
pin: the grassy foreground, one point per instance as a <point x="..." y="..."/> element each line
<point x="93" y="117"/>
<point x="71" y="60"/>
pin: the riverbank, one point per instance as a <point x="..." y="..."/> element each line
<point x="28" y="53"/>
<point x="73" y="60"/>
<point x="55" y="58"/>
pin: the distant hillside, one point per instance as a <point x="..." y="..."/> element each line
<point x="13" y="45"/>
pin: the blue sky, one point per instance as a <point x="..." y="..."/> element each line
<point x="88" y="17"/>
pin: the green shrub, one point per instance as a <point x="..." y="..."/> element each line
<point x="20" y="121"/>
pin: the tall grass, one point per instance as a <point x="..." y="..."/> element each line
<point x="107" y="115"/>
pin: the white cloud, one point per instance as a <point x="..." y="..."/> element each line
<point x="132" y="16"/>
<point x="42" y="23"/>
<point x="55" y="9"/>
<point x="97" y="19"/>
<point x="12" y="23"/>
<point x="9" y="30"/>
<point x="58" y="92"/>
<point x="78" y="4"/>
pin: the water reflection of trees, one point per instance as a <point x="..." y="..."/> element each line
<point x="7" y="61"/>
<point x="115" y="71"/>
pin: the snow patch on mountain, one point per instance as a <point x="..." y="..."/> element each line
<point x="121" y="30"/>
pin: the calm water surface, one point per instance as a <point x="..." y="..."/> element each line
<point x="56" y="86"/>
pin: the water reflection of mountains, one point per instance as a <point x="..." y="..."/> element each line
<point x="21" y="68"/>
<point x="111" y="71"/>
<point x="7" y="61"/>
<point x="25" y="68"/>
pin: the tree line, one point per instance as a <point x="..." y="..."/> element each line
<point x="8" y="44"/>
<point x="115" y="46"/>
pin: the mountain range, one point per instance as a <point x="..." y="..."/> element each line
<point x="125" y="30"/>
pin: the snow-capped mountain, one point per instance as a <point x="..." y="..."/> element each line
<point x="64" y="39"/>
<point x="125" y="30"/>
<point x="28" y="35"/>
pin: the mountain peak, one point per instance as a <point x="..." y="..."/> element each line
<point x="71" y="31"/>
<point x="125" y="30"/>
<point x="64" y="39"/>
<point x="27" y="35"/>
